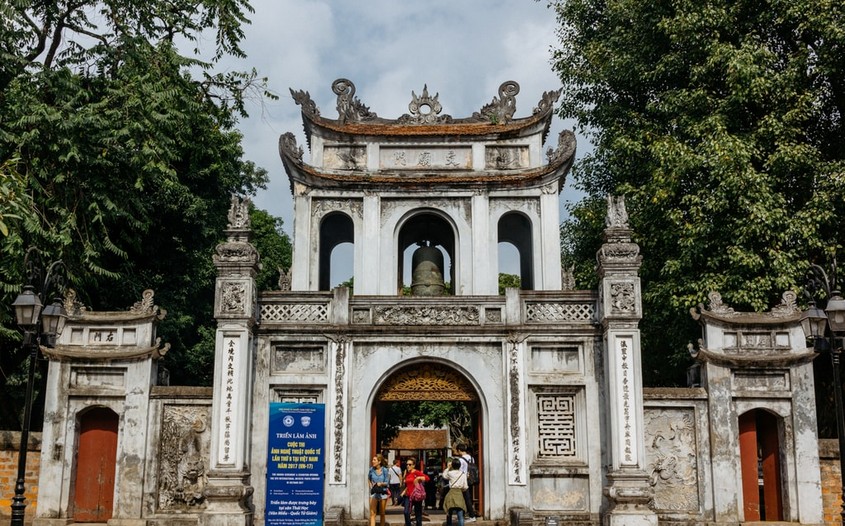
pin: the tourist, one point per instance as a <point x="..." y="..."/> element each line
<point x="454" y="500"/>
<point x="432" y="470"/>
<point x="413" y="476"/>
<point x="395" y="480"/>
<point x="466" y="459"/>
<point x="379" y="479"/>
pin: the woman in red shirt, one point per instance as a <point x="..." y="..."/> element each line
<point x="413" y="476"/>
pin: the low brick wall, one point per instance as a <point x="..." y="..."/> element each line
<point x="9" y="445"/>
<point x="831" y="480"/>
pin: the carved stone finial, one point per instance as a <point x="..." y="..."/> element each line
<point x="72" y="306"/>
<point x="617" y="215"/>
<point x="303" y="98"/>
<point x="424" y="109"/>
<point x="547" y="101"/>
<point x="288" y="146"/>
<point x="717" y="306"/>
<point x="349" y="108"/>
<point x="284" y="279"/>
<point x="787" y="306"/>
<point x="239" y="213"/>
<point x="501" y="109"/>
<point x="565" y="147"/>
<point x="145" y="306"/>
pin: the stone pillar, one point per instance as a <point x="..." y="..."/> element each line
<point x="484" y="274"/>
<point x="235" y="304"/>
<point x="368" y="247"/>
<point x="549" y="268"/>
<point x="620" y="309"/>
<point x="301" y="258"/>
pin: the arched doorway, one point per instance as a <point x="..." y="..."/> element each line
<point x="759" y="449"/>
<point x="95" y="465"/>
<point x="429" y="387"/>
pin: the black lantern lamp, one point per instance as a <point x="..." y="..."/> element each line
<point x="41" y="326"/>
<point x="826" y="328"/>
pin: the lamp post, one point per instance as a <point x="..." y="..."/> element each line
<point x="41" y="326"/>
<point x="826" y="328"/>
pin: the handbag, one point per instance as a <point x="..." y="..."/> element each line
<point x="418" y="493"/>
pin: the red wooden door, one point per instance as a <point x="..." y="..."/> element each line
<point x="748" y="465"/>
<point x="759" y="450"/>
<point x="95" y="465"/>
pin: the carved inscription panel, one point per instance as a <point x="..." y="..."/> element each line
<point x="425" y="158"/>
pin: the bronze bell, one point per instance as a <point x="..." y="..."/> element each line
<point x="427" y="274"/>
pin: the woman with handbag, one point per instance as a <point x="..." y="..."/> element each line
<point x="454" y="500"/>
<point x="379" y="479"/>
<point x="414" y="486"/>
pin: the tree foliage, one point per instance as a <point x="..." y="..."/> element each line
<point x="721" y="121"/>
<point x="128" y="154"/>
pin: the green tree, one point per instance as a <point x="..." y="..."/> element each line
<point x="273" y="245"/>
<point x="508" y="281"/>
<point x="721" y="121"/>
<point x="129" y="155"/>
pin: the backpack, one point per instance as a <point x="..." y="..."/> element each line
<point x="472" y="472"/>
<point x="418" y="493"/>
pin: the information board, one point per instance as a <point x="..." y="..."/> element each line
<point x="295" y="465"/>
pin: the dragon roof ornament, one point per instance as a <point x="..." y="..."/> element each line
<point x="424" y="109"/>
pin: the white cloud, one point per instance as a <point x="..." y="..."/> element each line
<point x="462" y="49"/>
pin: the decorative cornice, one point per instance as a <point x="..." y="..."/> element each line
<point x="77" y="352"/>
<point x="768" y="360"/>
<point x="786" y="311"/>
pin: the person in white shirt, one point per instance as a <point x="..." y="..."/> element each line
<point x="454" y="500"/>
<point x="395" y="480"/>
<point x="466" y="459"/>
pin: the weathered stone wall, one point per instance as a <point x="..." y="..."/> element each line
<point x="9" y="446"/>
<point x="831" y="480"/>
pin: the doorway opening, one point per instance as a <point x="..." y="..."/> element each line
<point x="759" y="449"/>
<point x="95" y="465"/>
<point x="424" y="410"/>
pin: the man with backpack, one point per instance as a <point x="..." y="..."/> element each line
<point x="469" y="467"/>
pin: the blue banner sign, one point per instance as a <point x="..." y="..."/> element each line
<point x="295" y="465"/>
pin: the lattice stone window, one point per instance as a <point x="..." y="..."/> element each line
<point x="300" y="396"/>
<point x="560" y="435"/>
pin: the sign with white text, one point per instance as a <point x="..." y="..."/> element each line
<point x="295" y="454"/>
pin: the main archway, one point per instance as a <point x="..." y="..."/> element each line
<point x="432" y="385"/>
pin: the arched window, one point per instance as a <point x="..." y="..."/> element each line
<point x="335" y="228"/>
<point x="515" y="229"/>
<point x="432" y="230"/>
<point x="759" y="451"/>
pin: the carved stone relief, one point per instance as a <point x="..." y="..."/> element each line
<point x="622" y="298"/>
<point x="339" y="410"/>
<point x="232" y="297"/>
<point x="528" y="205"/>
<point x="671" y="453"/>
<point x="183" y="458"/>
<point x="401" y="315"/>
<point x="345" y="157"/>
<point x="505" y="157"/>
<point x="321" y="207"/>
<point x="349" y="108"/>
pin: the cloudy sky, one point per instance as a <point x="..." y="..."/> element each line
<point x="462" y="49"/>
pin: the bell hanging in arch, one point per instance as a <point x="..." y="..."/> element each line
<point x="427" y="273"/>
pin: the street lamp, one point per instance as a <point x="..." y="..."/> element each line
<point x="815" y="321"/>
<point x="29" y="311"/>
